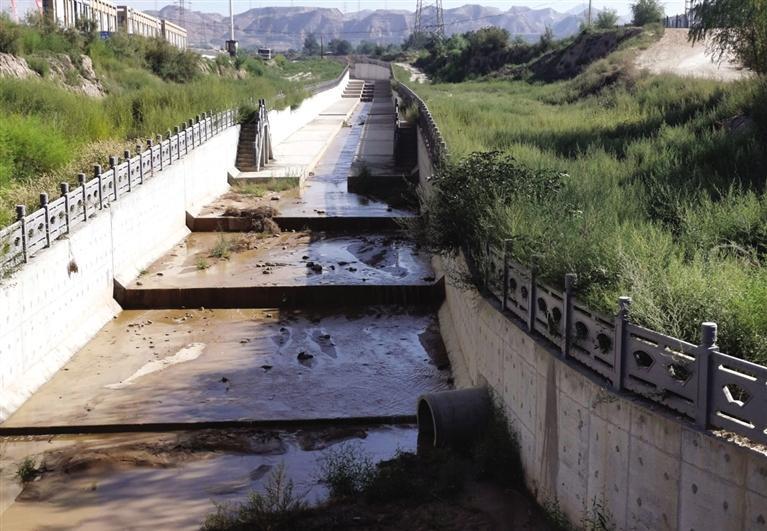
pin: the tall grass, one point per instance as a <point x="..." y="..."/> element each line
<point x="45" y="127"/>
<point x="661" y="198"/>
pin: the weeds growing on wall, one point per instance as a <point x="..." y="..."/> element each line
<point x="648" y="186"/>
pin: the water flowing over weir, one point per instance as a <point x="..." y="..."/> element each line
<point x="224" y="364"/>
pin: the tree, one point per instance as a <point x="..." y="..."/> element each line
<point x="311" y="45"/>
<point x="340" y="47"/>
<point x="606" y="19"/>
<point x="733" y="27"/>
<point x="647" y="12"/>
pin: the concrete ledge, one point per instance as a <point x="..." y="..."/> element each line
<point x="279" y="296"/>
<point x="377" y="184"/>
<point x="335" y="224"/>
<point x="164" y="427"/>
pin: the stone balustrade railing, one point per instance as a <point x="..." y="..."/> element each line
<point x="36" y="231"/>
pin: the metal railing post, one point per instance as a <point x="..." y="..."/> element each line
<point x="708" y="333"/>
<point x="97" y="174"/>
<point x="21" y="214"/>
<point x="64" y="188"/>
<point x="44" y="206"/>
<point x="621" y="342"/>
<point x="567" y="318"/>
<point x="81" y="180"/>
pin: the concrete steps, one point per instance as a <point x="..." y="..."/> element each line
<point x="246" y="157"/>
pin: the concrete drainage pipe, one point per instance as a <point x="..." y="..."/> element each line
<point x="452" y="418"/>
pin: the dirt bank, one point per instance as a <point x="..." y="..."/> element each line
<point x="674" y="54"/>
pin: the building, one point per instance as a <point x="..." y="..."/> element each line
<point x="265" y="53"/>
<point x="68" y="13"/>
<point x="176" y="35"/>
<point x="135" y="22"/>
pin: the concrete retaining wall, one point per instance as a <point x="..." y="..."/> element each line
<point x="59" y="300"/>
<point x="370" y="71"/>
<point x="586" y="447"/>
<point x="287" y="121"/>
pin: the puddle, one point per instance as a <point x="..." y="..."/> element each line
<point x="172" y="481"/>
<point x="188" y="353"/>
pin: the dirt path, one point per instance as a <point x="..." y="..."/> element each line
<point x="674" y="54"/>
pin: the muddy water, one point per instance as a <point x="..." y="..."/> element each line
<point x="171" y="481"/>
<point x="217" y="365"/>
<point x="290" y="259"/>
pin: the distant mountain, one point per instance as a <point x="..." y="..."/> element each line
<point x="283" y="28"/>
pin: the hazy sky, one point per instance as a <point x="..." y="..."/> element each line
<point x="222" y="6"/>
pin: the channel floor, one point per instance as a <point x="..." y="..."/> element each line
<point x="196" y="365"/>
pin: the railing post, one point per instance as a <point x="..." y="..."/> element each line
<point x="506" y="259"/>
<point x="21" y="214"/>
<point x="191" y="126"/>
<point x="159" y="143"/>
<point x="113" y="166"/>
<point x="64" y="187"/>
<point x="44" y="206"/>
<point x="532" y="293"/>
<point x="139" y="150"/>
<point x="170" y="148"/>
<point x="97" y="174"/>
<point x="621" y="342"/>
<point x="567" y="318"/>
<point x="708" y="333"/>
<point x="177" y="134"/>
<point x="149" y="145"/>
<point x="81" y="180"/>
<point x="127" y="156"/>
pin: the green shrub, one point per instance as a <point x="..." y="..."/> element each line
<point x="346" y="470"/>
<point x="27" y="470"/>
<point x="39" y="65"/>
<point x="172" y="64"/>
<point x="646" y="12"/>
<point x="10" y="36"/>
<point x="275" y="509"/>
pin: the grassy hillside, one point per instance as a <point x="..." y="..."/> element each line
<point x="650" y="186"/>
<point x="49" y="130"/>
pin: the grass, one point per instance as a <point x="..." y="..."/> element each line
<point x="274" y="509"/>
<point x="261" y="189"/>
<point x="658" y="197"/>
<point x="222" y="249"/>
<point x="201" y="263"/>
<point x="27" y="471"/>
<point x="49" y="133"/>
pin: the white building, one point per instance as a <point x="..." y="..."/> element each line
<point x="67" y="13"/>
<point x="135" y="22"/>
<point x="176" y="35"/>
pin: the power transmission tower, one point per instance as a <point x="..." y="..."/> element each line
<point x="423" y="25"/>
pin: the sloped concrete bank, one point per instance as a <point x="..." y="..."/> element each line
<point x="61" y="298"/>
<point x="591" y="450"/>
<point x="58" y="301"/>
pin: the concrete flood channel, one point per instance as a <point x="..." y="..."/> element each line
<point x="198" y="390"/>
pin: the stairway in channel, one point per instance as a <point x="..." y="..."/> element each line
<point x="246" y="152"/>
<point x="368" y="91"/>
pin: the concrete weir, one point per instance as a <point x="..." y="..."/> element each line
<point x="236" y="351"/>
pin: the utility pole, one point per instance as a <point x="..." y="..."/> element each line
<point x="231" y="44"/>
<point x="589" y="13"/>
<point x="322" y="46"/>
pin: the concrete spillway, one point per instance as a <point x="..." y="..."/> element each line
<point x="287" y="346"/>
